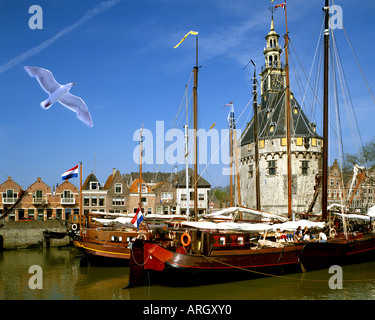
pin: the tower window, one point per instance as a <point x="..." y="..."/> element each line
<point x="305" y="167"/>
<point x="251" y="171"/>
<point x="272" y="167"/>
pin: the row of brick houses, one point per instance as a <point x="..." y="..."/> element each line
<point x="162" y="193"/>
<point x="339" y="186"/>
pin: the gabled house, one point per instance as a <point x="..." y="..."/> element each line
<point x="165" y="197"/>
<point x="66" y="200"/>
<point x="38" y="201"/>
<point x="203" y="188"/>
<point x="117" y="193"/>
<point x="94" y="196"/>
<point x="147" y="197"/>
<point x="9" y="193"/>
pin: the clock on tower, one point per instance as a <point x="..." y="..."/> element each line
<point x="277" y="81"/>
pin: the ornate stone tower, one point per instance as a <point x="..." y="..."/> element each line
<point x="306" y="144"/>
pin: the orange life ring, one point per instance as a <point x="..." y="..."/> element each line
<point x="187" y="242"/>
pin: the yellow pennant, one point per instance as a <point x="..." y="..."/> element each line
<point x="190" y="32"/>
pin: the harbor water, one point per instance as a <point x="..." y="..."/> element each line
<point x="62" y="278"/>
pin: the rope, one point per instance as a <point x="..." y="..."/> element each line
<point x="282" y="277"/>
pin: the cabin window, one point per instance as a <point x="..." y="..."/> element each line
<point x="305" y="167"/>
<point x="222" y="241"/>
<point x="240" y="241"/>
<point x="272" y="167"/>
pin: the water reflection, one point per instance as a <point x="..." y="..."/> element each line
<point x="63" y="278"/>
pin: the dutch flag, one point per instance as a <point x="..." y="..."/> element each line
<point x="138" y="218"/>
<point x="71" y="173"/>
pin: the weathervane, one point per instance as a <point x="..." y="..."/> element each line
<point x="272" y="9"/>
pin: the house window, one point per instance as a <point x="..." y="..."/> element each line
<point x="305" y="167"/>
<point x="183" y="197"/>
<point x="118" y="188"/>
<point x="272" y="167"/>
<point x="201" y="196"/>
<point x="332" y="181"/>
<point x="166" y="196"/>
<point x="149" y="210"/>
<point x="86" y="201"/>
<point x="94" y="185"/>
<point x="30" y="213"/>
<point x="101" y="201"/>
<point x="94" y="201"/>
<point x="144" y="201"/>
<point x="118" y="201"/>
<point x="159" y="210"/>
<point x="144" y="188"/>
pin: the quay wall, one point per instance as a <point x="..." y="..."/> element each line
<point x="29" y="234"/>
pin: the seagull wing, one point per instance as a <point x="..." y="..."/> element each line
<point x="77" y="105"/>
<point x="45" y="78"/>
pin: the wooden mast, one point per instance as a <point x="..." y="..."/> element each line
<point x="80" y="198"/>
<point x="231" y="164"/>
<point x="195" y="107"/>
<point x="255" y="110"/>
<point x="140" y="168"/>
<point x="325" y="112"/>
<point x="237" y="168"/>
<point x="288" y="118"/>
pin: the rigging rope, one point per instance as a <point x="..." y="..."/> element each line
<point x="282" y="277"/>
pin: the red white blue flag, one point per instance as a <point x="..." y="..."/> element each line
<point x="138" y="218"/>
<point x="71" y="173"/>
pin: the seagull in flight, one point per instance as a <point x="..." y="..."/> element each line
<point x="60" y="93"/>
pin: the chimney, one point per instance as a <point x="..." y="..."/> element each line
<point x="113" y="171"/>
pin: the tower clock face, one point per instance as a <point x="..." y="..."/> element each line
<point x="277" y="81"/>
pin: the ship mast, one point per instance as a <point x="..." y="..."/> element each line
<point x="256" y="169"/>
<point x="195" y="107"/>
<point x="325" y="112"/>
<point x="140" y="168"/>
<point x="288" y="118"/>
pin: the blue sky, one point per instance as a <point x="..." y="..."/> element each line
<point x="120" y="53"/>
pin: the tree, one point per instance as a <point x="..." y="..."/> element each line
<point x="366" y="156"/>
